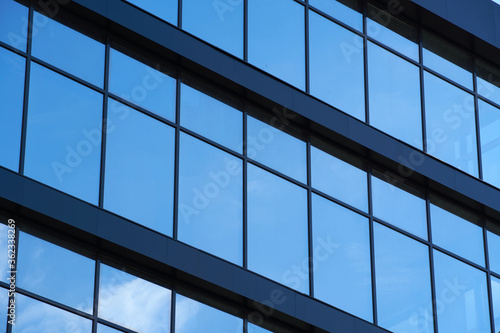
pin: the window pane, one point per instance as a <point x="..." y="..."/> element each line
<point x="345" y="11"/>
<point x="165" y="9"/>
<point x="489" y="121"/>
<point x="494" y="251"/>
<point x="495" y="291"/>
<point x="457" y="234"/>
<point x="462" y="296"/>
<point x="276" y="149"/>
<point x="210" y="199"/>
<point x="35" y="316"/>
<point x="12" y="68"/>
<point x="447" y="59"/>
<point x="404" y="299"/>
<point x="106" y="329"/>
<point x="393" y="203"/>
<point x="451" y="125"/>
<point x="277" y="229"/>
<point x="276" y="39"/>
<point x="339" y="179"/>
<point x="4" y="302"/>
<point x="4" y="248"/>
<point x="13" y="24"/>
<point x="336" y="66"/>
<point x="61" y="149"/>
<point x="142" y="85"/>
<point x="488" y="80"/>
<point x="394" y="90"/>
<point x="256" y="329"/>
<point x="341" y="243"/>
<point x="218" y="22"/>
<point x="193" y="317"/>
<point x="132" y="302"/>
<point x="211" y="118"/>
<point x="69" y="50"/>
<point x="139" y="180"/>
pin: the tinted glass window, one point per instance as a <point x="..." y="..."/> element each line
<point x="13" y="24"/>
<point x="132" y="302"/>
<point x="4" y="301"/>
<point x="61" y="149"/>
<point x="277" y="229"/>
<point x="142" y="85"/>
<point x="139" y="179"/>
<point x="69" y="50"/>
<point x="341" y="243"/>
<point x="12" y="68"/>
<point x="211" y="118"/>
<point x="494" y="251"/>
<point x="256" y="329"/>
<point x="451" y="125"/>
<point x="210" y="199"/>
<point x="462" y="303"/>
<point x="218" y="22"/>
<point x="394" y="90"/>
<point x="488" y="80"/>
<point x="5" y="265"/>
<point x="336" y="66"/>
<point x="165" y="9"/>
<point x="276" y="39"/>
<point x="106" y="329"/>
<point x="345" y="11"/>
<point x="489" y="122"/>
<point x="404" y="299"/>
<point x="495" y="291"/>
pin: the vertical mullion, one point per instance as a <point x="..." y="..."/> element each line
<point x="422" y="90"/>
<point x="372" y="245"/>
<point x="365" y="63"/>
<point x="245" y="189"/>
<point x="172" y="310"/>
<point x="431" y="260"/>
<point x="104" y="122"/>
<point x="476" y="115"/>
<point x="96" y="294"/>
<point x="306" y="46"/>
<point x="245" y="30"/>
<point x="309" y="218"/>
<point x="176" y="158"/>
<point x="489" y="278"/>
<point x="179" y="14"/>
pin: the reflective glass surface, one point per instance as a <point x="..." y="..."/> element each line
<point x="456" y="234"/>
<point x="218" y="22"/>
<point x="34" y="316"/>
<point x="165" y="9"/>
<point x="341" y="10"/>
<point x="399" y="207"/>
<point x="132" y="302"/>
<point x="394" y="91"/>
<point x="276" y="39"/>
<point x="489" y="122"/>
<point x="210" y="199"/>
<point x="277" y="229"/>
<point x="462" y="296"/>
<point x="494" y="251"/>
<point x="451" y="125"/>
<point x="404" y="299"/>
<point x="142" y="85"/>
<point x="256" y="329"/>
<point x="12" y="68"/>
<point x="488" y="80"/>
<point x="139" y="179"/>
<point x="4" y="247"/>
<point x="193" y="317"/>
<point x="211" y="118"/>
<point x="341" y="243"/>
<point x="495" y="291"/>
<point x="336" y="66"/>
<point x="106" y="329"/>
<point x="339" y="179"/>
<point x="4" y="302"/>
<point x="13" y="24"/>
<point x="69" y="50"/>
<point x="59" y="151"/>
<point x="276" y="149"/>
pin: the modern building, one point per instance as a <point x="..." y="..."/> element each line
<point x="250" y="166"/>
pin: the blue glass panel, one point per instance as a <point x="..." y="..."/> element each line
<point x="12" y="68"/>
<point x="35" y="316"/>
<point x="279" y="150"/>
<point x="63" y="143"/>
<point x="165" y="9"/>
<point x="4" y="303"/>
<point x="276" y="39"/>
<point x="211" y="118"/>
<point x="5" y="236"/>
<point x="218" y="22"/>
<point x="132" y="302"/>
<point x="139" y="179"/>
<point x="210" y="199"/>
<point x="462" y="296"/>
<point x="451" y="125"/>
<point x="494" y="251"/>
<point x="399" y="207"/>
<point x="488" y="80"/>
<point x="193" y="317"/>
<point x="69" y="50"/>
<point x="394" y="90"/>
<point x="489" y="122"/>
<point x="341" y="243"/>
<point x="340" y="11"/>
<point x="277" y="229"/>
<point x="456" y="234"/>
<point x="336" y="66"/>
<point x="256" y="329"/>
<point x="56" y="273"/>
<point x="106" y="329"/>
<point x="14" y="24"/>
<point x="142" y="85"/>
<point x="495" y="291"/>
<point x="404" y="299"/>
<point x="339" y="179"/>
